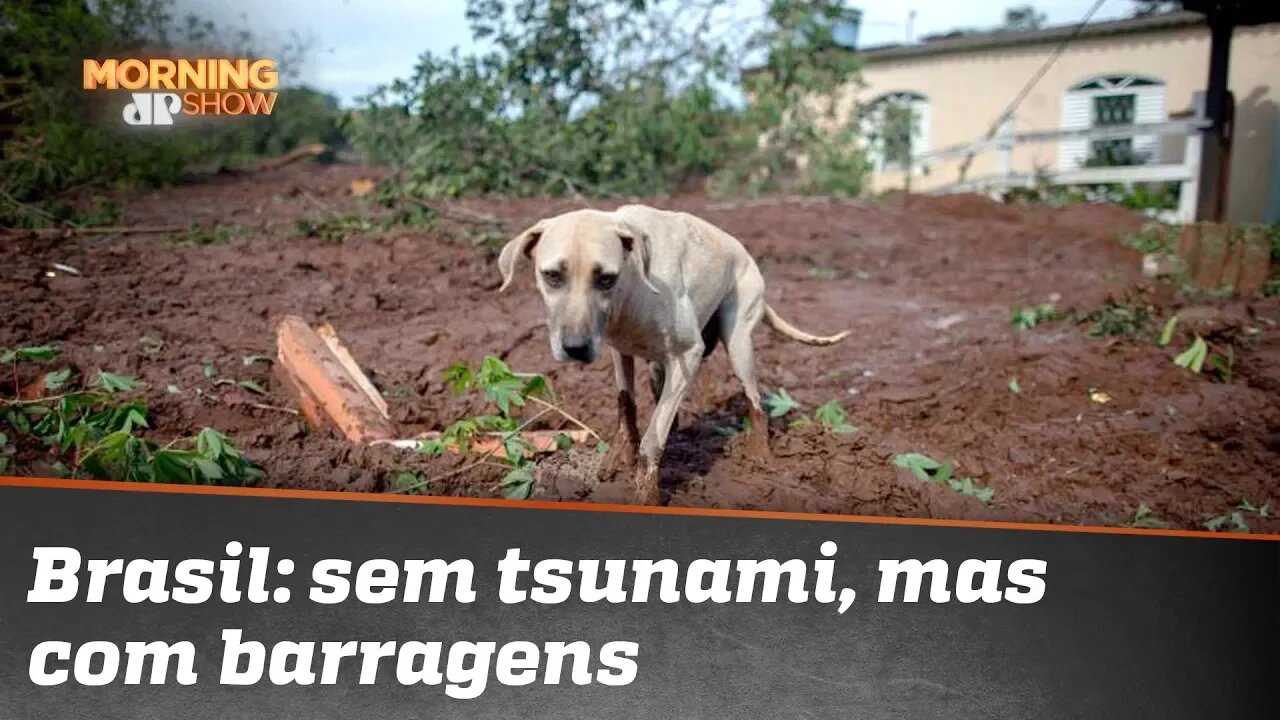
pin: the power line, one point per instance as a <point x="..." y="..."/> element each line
<point x="1026" y="89"/>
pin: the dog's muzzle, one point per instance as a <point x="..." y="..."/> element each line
<point x="578" y="348"/>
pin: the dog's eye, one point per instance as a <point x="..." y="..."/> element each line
<point x="606" y="281"/>
<point x="553" y="278"/>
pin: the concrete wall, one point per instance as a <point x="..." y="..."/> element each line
<point x="968" y="90"/>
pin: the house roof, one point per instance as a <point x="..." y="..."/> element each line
<point x="1016" y="38"/>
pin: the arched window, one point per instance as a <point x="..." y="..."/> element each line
<point x="1109" y="100"/>
<point x="896" y="127"/>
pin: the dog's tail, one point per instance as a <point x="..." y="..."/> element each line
<point x="773" y="320"/>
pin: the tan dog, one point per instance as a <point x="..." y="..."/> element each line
<point x="663" y="286"/>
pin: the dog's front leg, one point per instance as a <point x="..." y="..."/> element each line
<point x="680" y="370"/>
<point x="626" y="442"/>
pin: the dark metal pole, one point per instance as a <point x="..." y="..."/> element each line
<point x="1216" y="148"/>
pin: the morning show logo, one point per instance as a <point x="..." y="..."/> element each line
<point x="162" y="90"/>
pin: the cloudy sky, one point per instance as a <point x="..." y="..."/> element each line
<point x="359" y="44"/>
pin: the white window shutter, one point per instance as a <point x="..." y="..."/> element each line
<point x="1149" y="107"/>
<point x="1077" y="114"/>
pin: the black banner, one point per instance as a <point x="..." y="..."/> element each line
<point x="314" y="608"/>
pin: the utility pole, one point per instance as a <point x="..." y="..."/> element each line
<point x="1223" y="16"/>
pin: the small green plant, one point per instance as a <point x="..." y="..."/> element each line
<point x="926" y="469"/>
<point x="1144" y="518"/>
<point x="510" y="392"/>
<point x="831" y="415"/>
<point x="1014" y="387"/>
<point x="1025" y="318"/>
<point x="1235" y="519"/>
<point x="1152" y="239"/>
<point x="1117" y="319"/>
<point x="1166" y="335"/>
<point x="411" y="483"/>
<point x="779" y="403"/>
<point x="337" y="227"/>
<point x="1194" y="356"/>
<point x="822" y="273"/>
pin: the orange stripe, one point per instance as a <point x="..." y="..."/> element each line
<point x="61" y="484"/>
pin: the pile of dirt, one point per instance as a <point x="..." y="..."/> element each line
<point x="932" y="365"/>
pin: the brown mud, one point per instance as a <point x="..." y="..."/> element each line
<point x="926" y="285"/>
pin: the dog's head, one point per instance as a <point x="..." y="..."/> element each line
<point x="585" y="262"/>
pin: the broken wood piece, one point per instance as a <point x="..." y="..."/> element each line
<point x="301" y="153"/>
<point x="538" y="441"/>
<point x="326" y="387"/>
<point x="330" y="337"/>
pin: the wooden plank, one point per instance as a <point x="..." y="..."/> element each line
<point x="1212" y="257"/>
<point x="1234" y="261"/>
<point x="1189" y="247"/>
<point x="1255" y="262"/>
<point x="330" y="337"/>
<point x="321" y="379"/>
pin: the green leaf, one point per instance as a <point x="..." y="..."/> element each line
<point x="406" y="481"/>
<point x="172" y="389"/>
<point x="113" y="383"/>
<point x="136" y="417"/>
<point x="516" y="448"/>
<point x="251" y="359"/>
<point x="518" y="483"/>
<point x="431" y="447"/>
<point x="1014" y="387"/>
<point x="505" y="393"/>
<point x="943" y="474"/>
<point x="493" y="369"/>
<point x="1166" y="335"/>
<point x="208" y="469"/>
<point x="252" y="387"/>
<point x="42" y="353"/>
<point x="832" y="417"/>
<point x="728" y="430"/>
<point x="537" y="386"/>
<point x="57" y="379"/>
<point x="1193" y="357"/>
<point x="459" y="377"/>
<point x="602" y="448"/>
<point x="207" y="368"/>
<point x="563" y="442"/>
<point x="779" y="403"/>
<point x="918" y="465"/>
<point x="211" y="444"/>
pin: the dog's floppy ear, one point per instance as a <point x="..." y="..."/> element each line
<point x="518" y="247"/>
<point x="636" y="243"/>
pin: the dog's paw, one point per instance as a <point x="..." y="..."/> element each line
<point x="756" y="442"/>
<point x="756" y="447"/>
<point x="645" y="486"/>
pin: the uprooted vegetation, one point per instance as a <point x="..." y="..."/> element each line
<point x="95" y="427"/>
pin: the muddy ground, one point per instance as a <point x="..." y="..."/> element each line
<point x="926" y="285"/>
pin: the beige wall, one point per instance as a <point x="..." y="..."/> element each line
<point x="968" y="90"/>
